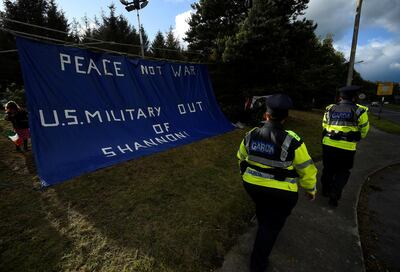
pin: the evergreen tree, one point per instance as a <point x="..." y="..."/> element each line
<point x="213" y="23"/>
<point x="158" y="45"/>
<point x="172" y="44"/>
<point x="55" y="19"/>
<point x="326" y="73"/>
<point x="266" y="30"/>
<point x="145" y="39"/>
<point x="115" y="28"/>
<point x="75" y="31"/>
<point x="273" y="45"/>
<point x="28" y="11"/>
<point x="88" y="29"/>
<point x="38" y="12"/>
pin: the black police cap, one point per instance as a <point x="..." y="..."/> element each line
<point x="278" y="105"/>
<point x="349" y="91"/>
<point x="279" y="102"/>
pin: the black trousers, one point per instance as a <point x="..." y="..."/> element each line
<point x="273" y="206"/>
<point x="337" y="164"/>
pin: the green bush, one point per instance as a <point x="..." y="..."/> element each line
<point x="15" y="93"/>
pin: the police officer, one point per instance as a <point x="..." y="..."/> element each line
<point x="344" y="124"/>
<point x="272" y="162"/>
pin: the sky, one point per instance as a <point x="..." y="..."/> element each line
<point x="379" y="34"/>
<point x="378" y="42"/>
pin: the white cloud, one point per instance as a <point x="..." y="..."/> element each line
<point x="332" y="17"/>
<point x="337" y="17"/>
<point x="395" y="66"/>
<point x="82" y="29"/>
<point x="384" y="13"/>
<point x="343" y="47"/>
<point x="381" y="59"/>
<point x="182" y="26"/>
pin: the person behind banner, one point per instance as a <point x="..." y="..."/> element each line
<point x="19" y="119"/>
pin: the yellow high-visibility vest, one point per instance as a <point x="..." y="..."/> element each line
<point x="344" y="118"/>
<point x="292" y="163"/>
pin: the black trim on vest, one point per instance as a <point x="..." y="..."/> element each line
<point x="272" y="135"/>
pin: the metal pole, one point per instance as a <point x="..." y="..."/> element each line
<point x="140" y="33"/>
<point x="354" y="43"/>
<point x="380" y="108"/>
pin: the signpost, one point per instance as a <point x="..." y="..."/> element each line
<point x="384" y="88"/>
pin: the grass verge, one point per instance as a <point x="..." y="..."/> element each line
<point x="395" y="107"/>
<point x="180" y="210"/>
<point x="384" y="124"/>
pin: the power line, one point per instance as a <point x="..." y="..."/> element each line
<point x="70" y="44"/>
<point x="89" y="38"/>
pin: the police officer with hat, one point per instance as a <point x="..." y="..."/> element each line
<point x="344" y="124"/>
<point x="273" y="161"/>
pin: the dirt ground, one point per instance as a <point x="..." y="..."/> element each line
<point x="378" y="214"/>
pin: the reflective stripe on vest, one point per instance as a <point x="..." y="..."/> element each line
<point x="304" y="164"/>
<point x="267" y="176"/>
<point x="342" y="123"/>
<point x="359" y="111"/>
<point x="242" y="156"/>
<point x="247" y="140"/>
<point x="285" y="147"/>
<point x="271" y="163"/>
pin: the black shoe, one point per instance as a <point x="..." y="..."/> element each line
<point x="254" y="269"/>
<point x="258" y="267"/>
<point x="333" y="202"/>
<point x="325" y="194"/>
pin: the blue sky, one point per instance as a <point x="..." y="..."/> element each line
<point x="379" y="35"/>
<point x="157" y="15"/>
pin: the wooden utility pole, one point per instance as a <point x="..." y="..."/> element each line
<point x="354" y="43"/>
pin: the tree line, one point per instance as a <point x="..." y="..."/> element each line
<point x="268" y="47"/>
<point x="256" y="47"/>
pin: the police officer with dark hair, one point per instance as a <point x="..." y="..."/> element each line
<point x="273" y="161"/>
<point x="344" y="123"/>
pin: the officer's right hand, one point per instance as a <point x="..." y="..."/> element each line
<point x="310" y="196"/>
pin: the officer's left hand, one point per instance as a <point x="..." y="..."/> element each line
<point x="310" y="196"/>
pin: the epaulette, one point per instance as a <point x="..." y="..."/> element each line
<point x="247" y="136"/>
<point x="298" y="141"/>
<point x="294" y="135"/>
<point x="362" y="106"/>
<point x="248" y="132"/>
<point x="330" y="106"/>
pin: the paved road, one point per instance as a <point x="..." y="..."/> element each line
<point x="316" y="237"/>
<point x="387" y="114"/>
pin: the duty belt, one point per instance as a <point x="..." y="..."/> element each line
<point x="276" y="173"/>
<point x="352" y="136"/>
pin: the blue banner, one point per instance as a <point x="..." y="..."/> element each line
<point x="89" y="110"/>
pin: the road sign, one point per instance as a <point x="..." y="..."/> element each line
<point x="385" y="88"/>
